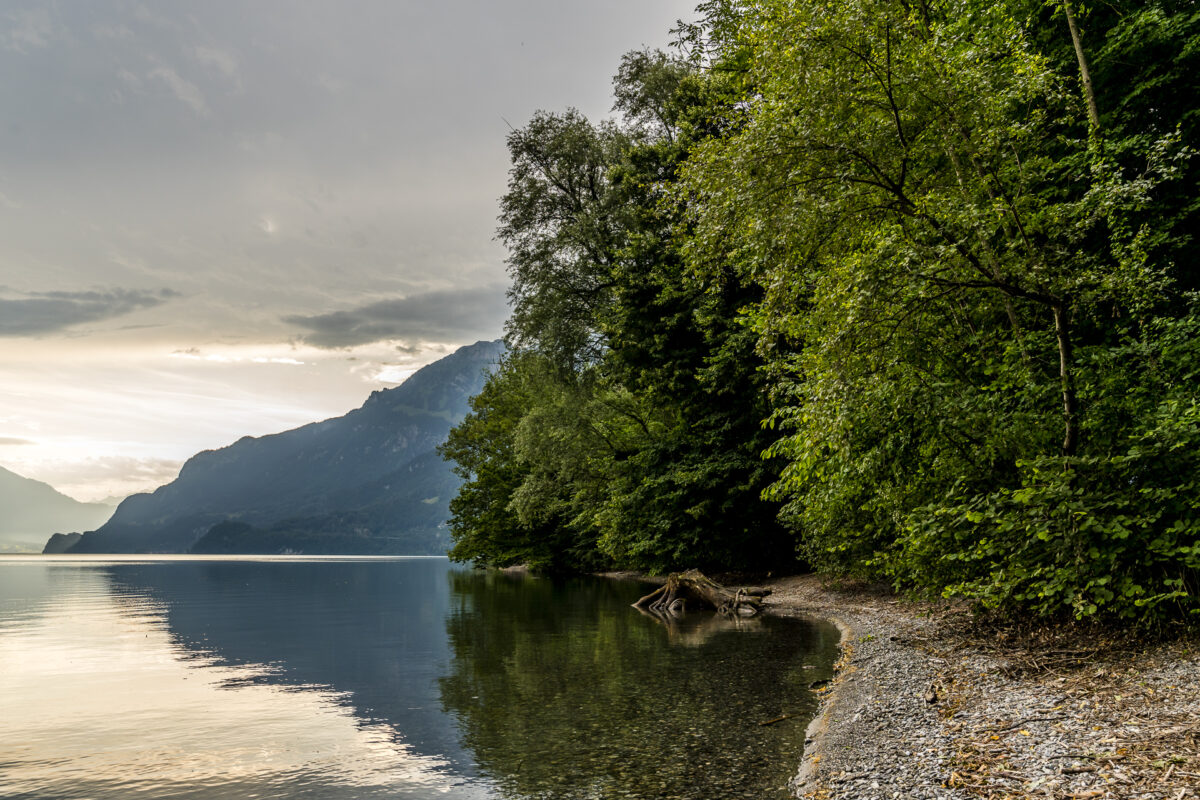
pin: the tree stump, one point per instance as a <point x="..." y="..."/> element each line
<point x="694" y="589"/>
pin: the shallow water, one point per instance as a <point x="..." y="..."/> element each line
<point x="295" y="677"/>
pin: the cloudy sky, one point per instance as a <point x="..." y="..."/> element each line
<point x="224" y="218"/>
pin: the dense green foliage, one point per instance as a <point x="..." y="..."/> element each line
<point x="903" y="289"/>
<point x="625" y="426"/>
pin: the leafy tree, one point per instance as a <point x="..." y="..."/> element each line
<point x="563" y="226"/>
<point x="942" y="248"/>
<point x="486" y="527"/>
<point x="944" y="233"/>
<point x="647" y="440"/>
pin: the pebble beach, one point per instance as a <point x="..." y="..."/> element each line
<point x="926" y="703"/>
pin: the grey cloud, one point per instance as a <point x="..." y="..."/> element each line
<point x="39" y="313"/>
<point x="28" y="29"/>
<point x="439" y="315"/>
<point x="6" y="440"/>
<point x="224" y="62"/>
<point x="187" y="92"/>
<point x="116" y="32"/>
<point x="153" y="137"/>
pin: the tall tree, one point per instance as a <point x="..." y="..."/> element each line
<point x="649" y="438"/>
<point x="563" y="227"/>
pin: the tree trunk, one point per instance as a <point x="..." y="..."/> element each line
<point x="1085" y="75"/>
<point x="1067" y="378"/>
<point x="693" y="589"/>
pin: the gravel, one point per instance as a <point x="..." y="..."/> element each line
<point x="925" y="705"/>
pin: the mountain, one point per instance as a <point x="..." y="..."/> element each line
<point x="31" y="510"/>
<point x="370" y="481"/>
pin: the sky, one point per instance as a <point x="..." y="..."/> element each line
<point x="230" y="218"/>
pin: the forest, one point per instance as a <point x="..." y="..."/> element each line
<point x="901" y="290"/>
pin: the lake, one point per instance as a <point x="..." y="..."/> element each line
<point x="296" y="677"/>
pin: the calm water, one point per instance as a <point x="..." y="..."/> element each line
<point x="371" y="678"/>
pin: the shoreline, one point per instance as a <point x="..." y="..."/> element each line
<point x="923" y="705"/>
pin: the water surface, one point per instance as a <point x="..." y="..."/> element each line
<point x="293" y="677"/>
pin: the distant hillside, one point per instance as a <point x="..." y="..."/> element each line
<point x="30" y="511"/>
<point x="367" y="482"/>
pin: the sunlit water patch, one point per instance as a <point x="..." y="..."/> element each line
<point x="100" y="701"/>
<point x="335" y="678"/>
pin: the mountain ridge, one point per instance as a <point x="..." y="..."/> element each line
<point x="31" y="510"/>
<point x="361" y="476"/>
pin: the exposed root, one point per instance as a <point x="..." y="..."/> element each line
<point x="695" y="590"/>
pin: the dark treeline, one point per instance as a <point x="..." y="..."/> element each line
<point x="898" y="289"/>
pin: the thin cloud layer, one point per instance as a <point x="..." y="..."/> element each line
<point x="41" y="313"/>
<point x="104" y="478"/>
<point x="301" y="173"/>
<point x="447" y="314"/>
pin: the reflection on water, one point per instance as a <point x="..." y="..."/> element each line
<point x="558" y="701"/>
<point x="363" y="678"/>
<point x="694" y="630"/>
<point x="159" y="678"/>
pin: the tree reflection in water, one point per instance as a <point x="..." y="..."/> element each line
<point x="561" y="690"/>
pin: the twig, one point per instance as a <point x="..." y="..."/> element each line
<point x="777" y="719"/>
<point x="1022" y="722"/>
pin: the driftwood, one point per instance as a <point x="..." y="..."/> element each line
<point x="695" y="590"/>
